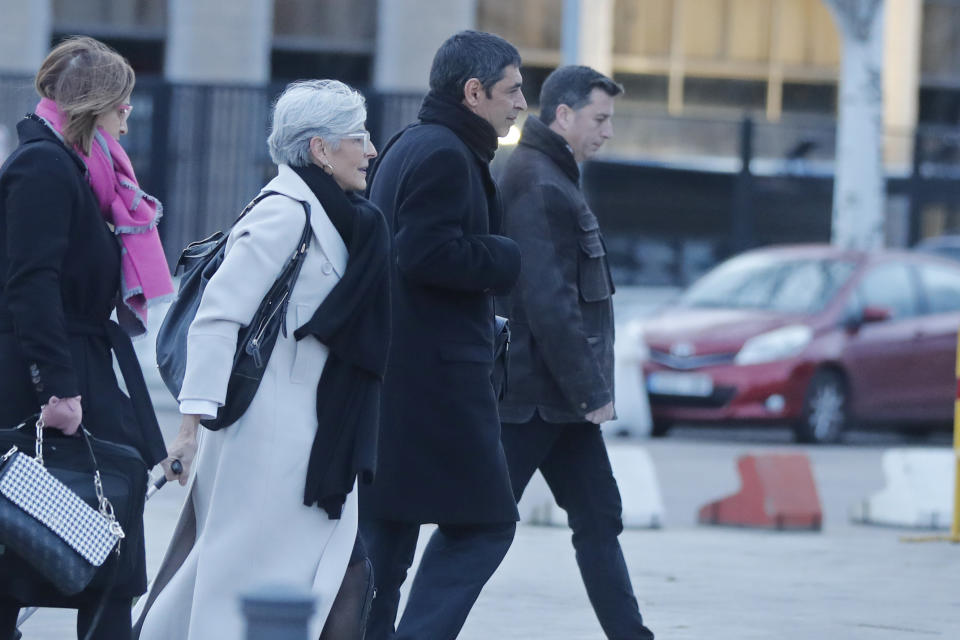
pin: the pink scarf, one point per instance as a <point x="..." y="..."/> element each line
<point x="144" y="273"/>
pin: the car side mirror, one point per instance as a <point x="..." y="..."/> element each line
<point x="875" y="314"/>
<point x="856" y="319"/>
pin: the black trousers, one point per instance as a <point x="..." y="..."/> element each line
<point x="115" y="622"/>
<point x="458" y="561"/>
<point x="573" y="460"/>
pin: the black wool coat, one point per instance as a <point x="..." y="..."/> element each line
<point x="440" y="458"/>
<point x="60" y="269"/>
<point x="561" y="316"/>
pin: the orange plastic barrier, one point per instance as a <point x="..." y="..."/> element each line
<point x="777" y="492"/>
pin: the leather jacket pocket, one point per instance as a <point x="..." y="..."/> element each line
<point x="594" y="275"/>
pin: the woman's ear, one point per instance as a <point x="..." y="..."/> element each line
<point x="318" y="150"/>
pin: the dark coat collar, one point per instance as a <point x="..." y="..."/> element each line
<point x="476" y="133"/>
<point x="33" y="129"/>
<point x="539" y="136"/>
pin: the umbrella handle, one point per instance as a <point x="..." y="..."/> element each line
<point x="177" y="469"/>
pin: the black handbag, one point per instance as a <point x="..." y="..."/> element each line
<point x="64" y="510"/>
<point x="255" y="342"/>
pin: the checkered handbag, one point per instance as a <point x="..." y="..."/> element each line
<point x="49" y="525"/>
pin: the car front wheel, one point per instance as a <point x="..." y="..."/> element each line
<point x="825" y="409"/>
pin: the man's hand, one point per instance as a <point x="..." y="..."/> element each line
<point x="184" y="449"/>
<point x="601" y="415"/>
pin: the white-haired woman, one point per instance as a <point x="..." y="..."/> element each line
<point x="271" y="498"/>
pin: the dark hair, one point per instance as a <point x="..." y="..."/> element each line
<point x="572" y="85"/>
<point x="470" y="54"/>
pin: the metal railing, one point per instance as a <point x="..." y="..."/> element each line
<point x="674" y="195"/>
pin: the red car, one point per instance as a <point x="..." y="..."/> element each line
<point x="814" y="336"/>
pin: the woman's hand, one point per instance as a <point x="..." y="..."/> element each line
<point x="184" y="449"/>
<point x="64" y="414"/>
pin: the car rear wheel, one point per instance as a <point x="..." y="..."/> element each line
<point x="825" y="409"/>
<point x="660" y="428"/>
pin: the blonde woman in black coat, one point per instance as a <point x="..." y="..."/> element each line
<point x="77" y="240"/>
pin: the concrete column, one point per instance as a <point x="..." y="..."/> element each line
<point x="409" y="32"/>
<point x="24" y="35"/>
<point x="675" y="81"/>
<point x="588" y="34"/>
<point x="211" y="41"/>
<point x="901" y="77"/>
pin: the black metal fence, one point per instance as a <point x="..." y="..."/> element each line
<point x="674" y="195"/>
<point x="201" y="149"/>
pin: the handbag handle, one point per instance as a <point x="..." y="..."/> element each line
<point x="104" y="504"/>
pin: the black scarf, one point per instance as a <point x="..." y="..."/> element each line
<point x="476" y="132"/>
<point x="539" y="136"/>
<point x="479" y="136"/>
<point x="353" y="321"/>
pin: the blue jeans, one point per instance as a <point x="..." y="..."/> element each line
<point x="458" y="561"/>
<point x="573" y="460"/>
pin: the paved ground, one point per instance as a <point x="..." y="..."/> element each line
<point x="848" y="582"/>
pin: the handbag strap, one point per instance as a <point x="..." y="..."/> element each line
<point x="102" y="604"/>
<point x="291" y="271"/>
<point x="103" y="503"/>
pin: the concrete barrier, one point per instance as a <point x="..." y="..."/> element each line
<point x="639" y="492"/>
<point x="777" y="491"/>
<point x="633" y="409"/>
<point x="918" y="492"/>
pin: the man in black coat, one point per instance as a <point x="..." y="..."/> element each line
<point x="561" y="356"/>
<point x="440" y="456"/>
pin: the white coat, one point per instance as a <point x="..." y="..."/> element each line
<point x="243" y="523"/>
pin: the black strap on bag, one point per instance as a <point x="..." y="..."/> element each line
<point x="197" y="264"/>
<point x="114" y="572"/>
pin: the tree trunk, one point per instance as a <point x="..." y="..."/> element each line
<point x="859" y="190"/>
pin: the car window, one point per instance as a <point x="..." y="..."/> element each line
<point x="941" y="287"/>
<point x="890" y="286"/>
<point x="804" y="285"/>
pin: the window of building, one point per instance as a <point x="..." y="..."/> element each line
<point x="135" y="28"/>
<point x="329" y="39"/>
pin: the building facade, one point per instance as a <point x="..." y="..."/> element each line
<point x="692" y="70"/>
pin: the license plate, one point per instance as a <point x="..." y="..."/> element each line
<point x="669" y="383"/>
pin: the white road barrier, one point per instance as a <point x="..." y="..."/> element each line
<point x="918" y="493"/>
<point x="633" y="409"/>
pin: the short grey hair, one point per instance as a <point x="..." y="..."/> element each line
<point x="328" y="109"/>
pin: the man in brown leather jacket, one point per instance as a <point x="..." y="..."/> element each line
<point x="561" y="356"/>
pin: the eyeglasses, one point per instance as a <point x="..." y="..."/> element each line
<point x="361" y="135"/>
<point x="125" y="109"/>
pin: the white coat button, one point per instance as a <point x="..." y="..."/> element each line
<point x="326" y="268"/>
